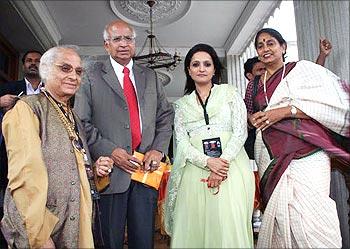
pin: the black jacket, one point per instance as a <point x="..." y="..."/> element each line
<point x="14" y="88"/>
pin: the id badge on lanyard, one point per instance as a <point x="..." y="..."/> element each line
<point x="211" y="146"/>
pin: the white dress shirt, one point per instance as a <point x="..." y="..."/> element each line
<point x="118" y="69"/>
<point x="30" y="89"/>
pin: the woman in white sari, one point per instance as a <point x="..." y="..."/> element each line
<point x="301" y="112"/>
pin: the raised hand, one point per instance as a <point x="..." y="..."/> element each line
<point x="325" y="47"/>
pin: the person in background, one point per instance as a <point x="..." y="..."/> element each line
<point x="300" y="112"/>
<point x="210" y="196"/>
<point x="9" y="92"/>
<point x="253" y="67"/>
<point x="124" y="109"/>
<point x="51" y="194"/>
<point x="29" y="85"/>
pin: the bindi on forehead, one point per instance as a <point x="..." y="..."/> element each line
<point x="266" y="40"/>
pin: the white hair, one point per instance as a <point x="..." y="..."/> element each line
<point x="106" y="34"/>
<point x="48" y="58"/>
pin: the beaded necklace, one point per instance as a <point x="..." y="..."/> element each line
<point x="67" y="119"/>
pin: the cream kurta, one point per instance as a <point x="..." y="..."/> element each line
<point x="30" y="180"/>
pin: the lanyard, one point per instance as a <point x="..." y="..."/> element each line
<point x="204" y="106"/>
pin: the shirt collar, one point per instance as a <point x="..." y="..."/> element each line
<point x="29" y="85"/>
<point x="118" y="67"/>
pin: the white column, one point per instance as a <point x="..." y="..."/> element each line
<point x="235" y="69"/>
<point x="330" y="19"/>
<point x="235" y="75"/>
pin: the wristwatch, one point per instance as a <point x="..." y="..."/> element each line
<point x="293" y="111"/>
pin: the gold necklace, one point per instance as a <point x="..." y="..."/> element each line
<point x="69" y="125"/>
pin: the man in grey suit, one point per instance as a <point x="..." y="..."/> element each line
<point x="118" y="120"/>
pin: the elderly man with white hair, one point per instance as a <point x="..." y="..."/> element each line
<point x="123" y="108"/>
<point x="50" y="196"/>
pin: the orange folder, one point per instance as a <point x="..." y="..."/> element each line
<point x="151" y="179"/>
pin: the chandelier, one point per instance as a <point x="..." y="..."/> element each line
<point x="157" y="56"/>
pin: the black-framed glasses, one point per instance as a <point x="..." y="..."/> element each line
<point x="126" y="38"/>
<point x="67" y="68"/>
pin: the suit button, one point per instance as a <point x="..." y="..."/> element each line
<point x="125" y="108"/>
<point x="127" y="126"/>
<point x="72" y="218"/>
<point x="71" y="151"/>
<point x="72" y="182"/>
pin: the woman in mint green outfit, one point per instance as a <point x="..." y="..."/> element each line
<point x="211" y="188"/>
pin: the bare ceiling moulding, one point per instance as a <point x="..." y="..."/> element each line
<point x="137" y="12"/>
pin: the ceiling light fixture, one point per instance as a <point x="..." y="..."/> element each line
<point x="157" y="56"/>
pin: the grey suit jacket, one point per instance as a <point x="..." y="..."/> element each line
<point x="101" y="106"/>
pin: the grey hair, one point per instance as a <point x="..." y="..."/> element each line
<point x="106" y="36"/>
<point x="48" y="58"/>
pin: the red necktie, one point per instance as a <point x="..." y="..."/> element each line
<point x="131" y="99"/>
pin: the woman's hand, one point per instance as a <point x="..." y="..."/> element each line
<point x="104" y="166"/>
<point x="218" y="165"/>
<point x="253" y="117"/>
<point x="214" y="180"/>
<point x="262" y="120"/>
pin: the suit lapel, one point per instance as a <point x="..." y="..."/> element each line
<point x="140" y="82"/>
<point x="111" y="79"/>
